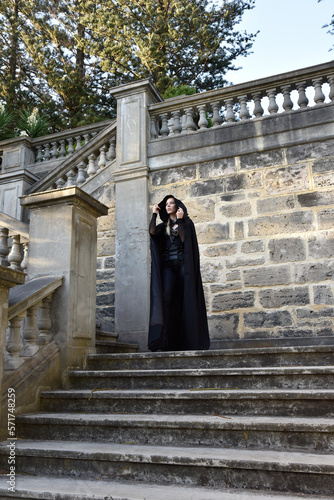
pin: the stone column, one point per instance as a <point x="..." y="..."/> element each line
<point x="63" y="238"/>
<point x="132" y="239"/>
<point x="8" y="279"/>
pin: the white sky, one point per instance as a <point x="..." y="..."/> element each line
<point x="291" y="37"/>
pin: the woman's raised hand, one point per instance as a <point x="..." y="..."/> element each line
<point x="156" y="209"/>
<point x="180" y="213"/>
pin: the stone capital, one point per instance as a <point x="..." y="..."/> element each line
<point x="72" y="196"/>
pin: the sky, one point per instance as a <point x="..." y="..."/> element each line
<point x="291" y="37"/>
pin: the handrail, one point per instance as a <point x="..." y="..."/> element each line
<point x="73" y="161"/>
<point x="188" y="114"/>
<point x="24" y="296"/>
<point x="15" y="226"/>
<point x="305" y="75"/>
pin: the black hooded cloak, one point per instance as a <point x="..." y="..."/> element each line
<point x="190" y="331"/>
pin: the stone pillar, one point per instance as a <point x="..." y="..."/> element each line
<point x="15" y="179"/>
<point x="63" y="238"/>
<point x="8" y="279"/>
<point x="132" y="239"/>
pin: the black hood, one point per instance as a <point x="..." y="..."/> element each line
<point x="162" y="205"/>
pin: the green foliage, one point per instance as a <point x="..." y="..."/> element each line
<point x="64" y="56"/>
<point x="178" y="90"/>
<point x="6" y="121"/>
<point x="32" y="124"/>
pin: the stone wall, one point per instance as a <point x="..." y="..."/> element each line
<point x="105" y="271"/>
<point x="264" y="222"/>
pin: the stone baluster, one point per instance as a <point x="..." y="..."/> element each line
<point x="217" y="120"/>
<point x="44" y="322"/>
<point x="4" y="248"/>
<point x="81" y="173"/>
<point x="60" y="182"/>
<point x="244" y="113"/>
<point x="164" y="130"/>
<point x="229" y="116"/>
<point x="54" y="145"/>
<point x="70" y="178"/>
<point x="272" y="107"/>
<point x="287" y="102"/>
<point x="91" y="165"/>
<point x="202" y="122"/>
<point x="78" y="142"/>
<point x="24" y="263"/>
<point x="319" y="96"/>
<point x="70" y="149"/>
<point x="177" y="127"/>
<point x="102" y="160"/>
<point x="302" y="99"/>
<point x="86" y="137"/>
<point x="93" y="134"/>
<point x="154" y="132"/>
<point x="62" y="152"/>
<point x="30" y="332"/>
<point x="39" y="156"/>
<point x="14" y="343"/>
<point x="47" y="153"/>
<point x="190" y="125"/>
<point x="331" y="87"/>
<point x="15" y="256"/>
<point x="258" y="109"/>
<point x="111" y="153"/>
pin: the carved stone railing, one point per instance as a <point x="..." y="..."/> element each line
<point x="14" y="243"/>
<point x="29" y="319"/>
<point x="196" y="113"/>
<point x="62" y="144"/>
<point x="83" y="163"/>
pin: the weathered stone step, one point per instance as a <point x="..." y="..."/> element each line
<point x="221" y="468"/>
<point x="292" y="402"/>
<point x="106" y="336"/>
<point x="275" y="433"/>
<point x="315" y="377"/>
<point x="106" y="346"/>
<point x="51" y="488"/>
<point x="228" y="358"/>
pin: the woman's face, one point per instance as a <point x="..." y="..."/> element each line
<point x="171" y="207"/>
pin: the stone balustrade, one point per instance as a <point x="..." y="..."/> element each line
<point x="268" y="96"/>
<point x="84" y="162"/>
<point x="14" y="243"/>
<point x="29" y="319"/>
<point x="62" y="144"/>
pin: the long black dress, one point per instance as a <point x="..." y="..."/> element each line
<point x="185" y="326"/>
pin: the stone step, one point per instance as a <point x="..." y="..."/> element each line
<point x="228" y="358"/>
<point x="109" y="336"/>
<point x="67" y="488"/>
<point x="234" y="431"/>
<point x="106" y="346"/>
<point x="274" y="402"/>
<point x="295" y="472"/>
<point x="312" y="377"/>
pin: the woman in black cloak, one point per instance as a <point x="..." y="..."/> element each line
<point x="178" y="318"/>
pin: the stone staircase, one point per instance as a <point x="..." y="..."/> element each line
<point x="235" y="424"/>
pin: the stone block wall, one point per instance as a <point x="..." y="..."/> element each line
<point x="265" y="226"/>
<point x="105" y="271"/>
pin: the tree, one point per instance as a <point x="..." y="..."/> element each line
<point x="171" y="41"/>
<point x="330" y="26"/>
<point x="64" y="56"/>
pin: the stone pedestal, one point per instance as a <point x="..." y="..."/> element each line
<point x="132" y="239"/>
<point x="15" y="178"/>
<point x="8" y="279"/>
<point x="63" y="242"/>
